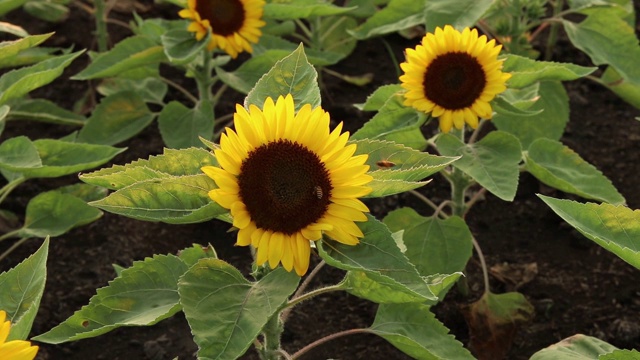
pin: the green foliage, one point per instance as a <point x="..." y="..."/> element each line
<point x="397" y="15"/>
<point x="302" y="9"/>
<point x="117" y="118"/>
<point x="395" y="122"/>
<point x="434" y="246"/>
<point x="492" y="161"/>
<point x="457" y="13"/>
<point x="173" y="163"/>
<point x="378" y="256"/>
<point x="128" y="54"/>
<point x="414" y="330"/>
<point x="44" y="111"/>
<point x="129" y="300"/>
<point x="182" y="127"/>
<point x="409" y="166"/>
<point x="21" y="289"/>
<point x="47" y="158"/>
<point x="548" y="123"/>
<point x="53" y="213"/>
<point x="291" y="75"/>
<point x="525" y="71"/>
<point x="615" y="228"/>
<point x="579" y="347"/>
<point x="225" y="311"/>
<point x="17" y="83"/>
<point x="560" y="167"/>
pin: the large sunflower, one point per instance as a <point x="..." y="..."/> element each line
<point x="15" y="349"/>
<point x="453" y="76"/>
<point x="234" y="24"/>
<point x="287" y="179"/>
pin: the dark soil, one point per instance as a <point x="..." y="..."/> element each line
<point x="579" y="287"/>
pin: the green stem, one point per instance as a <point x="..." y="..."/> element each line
<point x="178" y="87"/>
<point x="8" y="235"/>
<point x="13" y="247"/>
<point x="553" y="32"/>
<point x="101" y="26"/>
<point x="483" y="264"/>
<point x="303" y="287"/>
<point x="8" y="188"/>
<point x="327" y="338"/>
<point x="272" y="332"/>
<point x="339" y="286"/>
<point x="203" y="78"/>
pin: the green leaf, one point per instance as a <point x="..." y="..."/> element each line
<point x="627" y="91"/>
<point x="172" y="163"/>
<point x="434" y="246"/>
<point x="492" y="161"/>
<point x="44" y="111"/>
<point x="378" y="256"/>
<point x="12" y="48"/>
<point x="8" y="5"/>
<point x="141" y="295"/>
<point x="117" y="118"/>
<point x="395" y="122"/>
<point x="4" y="111"/>
<point x="132" y="52"/>
<point x="53" y="213"/>
<point x="152" y="89"/>
<point x="414" y="330"/>
<point x="527" y="71"/>
<point x="615" y="228"/>
<point x="181" y="47"/>
<point x="247" y="75"/>
<point x="49" y="158"/>
<point x="11" y="28"/>
<point x="408" y="167"/>
<point x="175" y="200"/>
<point x="84" y="192"/>
<point x="21" y="289"/>
<point x="280" y="48"/>
<point x="29" y="57"/>
<point x="560" y="167"/>
<point x="379" y="97"/>
<point x="397" y="15"/>
<point x="291" y="75"/>
<point x="621" y="355"/>
<point x="225" y="311"/>
<point x="576" y="347"/>
<point x="47" y="10"/>
<point x="335" y="38"/>
<point x="457" y="13"/>
<point x="608" y="40"/>
<point x="182" y="127"/>
<point x="17" y="83"/>
<point x="550" y="123"/>
<point x="302" y="9"/>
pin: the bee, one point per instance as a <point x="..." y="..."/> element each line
<point x="386" y="164"/>
<point x="318" y="191"/>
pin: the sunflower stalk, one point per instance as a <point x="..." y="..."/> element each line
<point x="101" y="26"/>
<point x="272" y="332"/>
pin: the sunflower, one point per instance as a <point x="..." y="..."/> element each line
<point x="234" y="24"/>
<point x="287" y="179"/>
<point x="15" y="349"/>
<point x="453" y="76"/>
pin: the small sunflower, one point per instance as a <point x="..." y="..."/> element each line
<point x="15" y="349"/>
<point x="234" y="24"/>
<point x="287" y="179"/>
<point x="453" y="76"/>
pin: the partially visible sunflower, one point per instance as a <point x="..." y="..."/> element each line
<point x="234" y="24"/>
<point x="15" y="349"/>
<point x="287" y="179"/>
<point x="453" y="76"/>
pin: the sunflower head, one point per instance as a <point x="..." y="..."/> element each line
<point x="287" y="179"/>
<point x="234" y="24"/>
<point x="453" y="75"/>
<point x="15" y="349"/>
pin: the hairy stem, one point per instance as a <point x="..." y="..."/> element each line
<point x="328" y="338"/>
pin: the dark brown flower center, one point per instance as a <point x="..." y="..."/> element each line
<point x="284" y="186"/>
<point x="225" y="16"/>
<point x="454" y="80"/>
